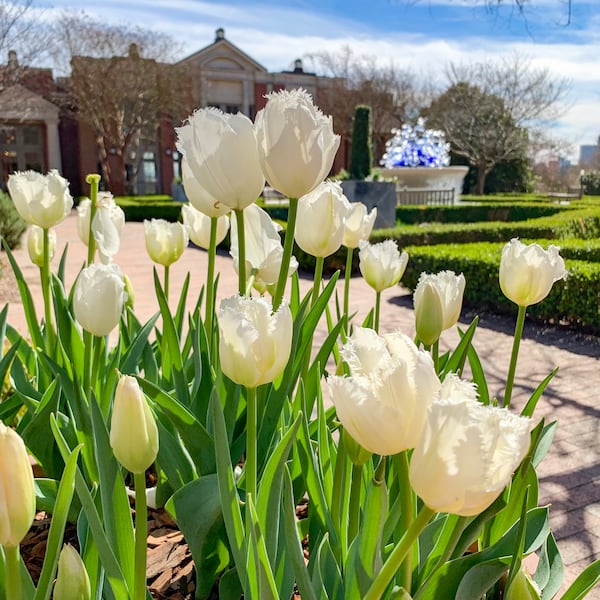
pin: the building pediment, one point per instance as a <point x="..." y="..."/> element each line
<point x="17" y="103"/>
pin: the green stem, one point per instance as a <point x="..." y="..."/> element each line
<point x="347" y="277"/>
<point x="435" y="354"/>
<point x="94" y="182"/>
<point x="514" y="355"/>
<point x="354" y="511"/>
<point x="45" y="281"/>
<point x="288" y="246"/>
<point x="317" y="279"/>
<point x="241" y="238"/>
<point x="141" y="536"/>
<point x="12" y="572"/>
<point x="166" y="283"/>
<point x="88" y="346"/>
<point x="396" y="558"/>
<point x="210" y="280"/>
<point x="251" y="446"/>
<point x="377" y="310"/>
<point x="407" y="517"/>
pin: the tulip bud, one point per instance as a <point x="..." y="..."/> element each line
<point x="98" y="298"/>
<point x="198" y="226"/>
<point x="220" y="150"/>
<point x="42" y="200"/>
<point x="428" y="313"/>
<point x="255" y="343"/>
<point x="468" y="451"/>
<point x="527" y="272"/>
<point x="381" y="265"/>
<point x="165" y="242"/>
<point x="523" y="588"/>
<point x="383" y="403"/>
<point x="358" y="224"/>
<point x="327" y="206"/>
<point x="17" y="492"/>
<point x="296" y="142"/>
<point x="35" y="245"/>
<point x="450" y="288"/>
<point x="133" y="431"/>
<point x="72" y="581"/>
<point x="129" y="293"/>
<point x="264" y="251"/>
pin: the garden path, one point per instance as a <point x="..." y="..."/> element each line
<point x="570" y="474"/>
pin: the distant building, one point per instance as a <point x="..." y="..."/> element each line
<point x="589" y="155"/>
<point x="40" y="128"/>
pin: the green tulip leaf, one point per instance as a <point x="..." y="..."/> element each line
<point x="550" y="571"/>
<point x="230" y="587"/>
<point x="480" y="579"/>
<point x="587" y="580"/>
<point x="327" y="576"/>
<point x="130" y="360"/>
<point x="456" y="361"/>
<point x="529" y="408"/>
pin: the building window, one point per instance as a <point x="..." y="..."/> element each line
<point x="21" y="149"/>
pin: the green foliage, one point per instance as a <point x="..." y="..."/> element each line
<point x="361" y="154"/>
<point x="12" y="226"/>
<point x="138" y="208"/>
<point x="590" y="182"/>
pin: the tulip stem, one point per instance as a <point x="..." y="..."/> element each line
<point x="251" y="427"/>
<point x="407" y="516"/>
<point x="377" y="310"/>
<point x="317" y="279"/>
<point x="166" y="283"/>
<point x="347" y="277"/>
<point x="210" y="281"/>
<point x="514" y="355"/>
<point x="94" y="181"/>
<point x="288" y="246"/>
<point x="354" y="512"/>
<point x="398" y="554"/>
<point x="12" y="571"/>
<point x="45" y="279"/>
<point x="239" y="220"/>
<point x="141" y="536"/>
<point x="88" y="346"/>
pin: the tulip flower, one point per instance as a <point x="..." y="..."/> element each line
<point x="199" y="198"/>
<point x="99" y="298"/>
<point x="296" y="142"/>
<point x="263" y="248"/>
<point x="133" y="430"/>
<point x="468" y="451"/>
<point x="42" y="200"/>
<point x="107" y="225"/>
<point x="72" y="580"/>
<point x="382" y="265"/>
<point x="198" y="224"/>
<point x="450" y="288"/>
<point x="358" y="224"/>
<point x="321" y="219"/>
<point x="35" y="245"/>
<point x="429" y="316"/>
<point x="220" y="150"/>
<point x="165" y="242"/>
<point x="383" y="403"/>
<point x="527" y="272"/>
<point x="523" y="588"/>
<point x="255" y="343"/>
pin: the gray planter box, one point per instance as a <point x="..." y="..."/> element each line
<point x="374" y="194"/>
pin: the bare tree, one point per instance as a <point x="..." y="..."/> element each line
<point x="491" y="110"/>
<point x="120" y="88"/>
<point x="391" y="93"/>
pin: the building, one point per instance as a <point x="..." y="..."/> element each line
<point x="41" y="129"/>
<point x="589" y="155"/>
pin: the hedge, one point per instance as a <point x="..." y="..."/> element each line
<point x="573" y="301"/>
<point x="138" y="208"/>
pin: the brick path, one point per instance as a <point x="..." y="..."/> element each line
<point x="570" y="474"/>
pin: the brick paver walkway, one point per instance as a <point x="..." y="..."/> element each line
<point x="570" y="474"/>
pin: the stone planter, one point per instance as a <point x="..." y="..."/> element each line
<point x="374" y="194"/>
<point x="434" y="178"/>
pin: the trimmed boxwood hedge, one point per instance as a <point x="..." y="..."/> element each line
<point x="138" y="208"/>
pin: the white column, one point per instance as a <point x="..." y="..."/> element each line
<point x="52" y="139"/>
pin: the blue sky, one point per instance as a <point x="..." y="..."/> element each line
<point x="420" y="34"/>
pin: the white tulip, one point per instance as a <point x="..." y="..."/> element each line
<point x="383" y="403"/>
<point x="263" y="248"/>
<point x="72" y="580"/>
<point x="255" y="343"/>
<point x="198" y="226"/>
<point x="320" y="224"/>
<point x="42" y="200"/>
<point x="220" y="150"/>
<point x="199" y="198"/>
<point x="296" y="142"/>
<point x="429" y="316"/>
<point x="35" y="245"/>
<point x="382" y="265"/>
<point x="98" y="298"/>
<point x="165" y="241"/>
<point x="133" y="430"/>
<point x="107" y="226"/>
<point x="527" y="272"/>
<point x="17" y="492"/>
<point x="358" y="225"/>
<point x="450" y="288"/>
<point x="468" y="451"/>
